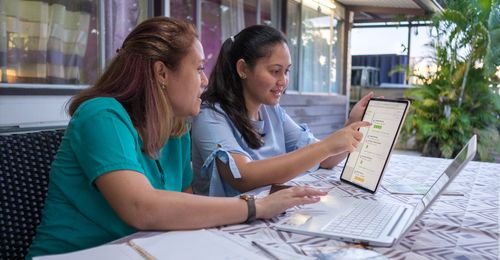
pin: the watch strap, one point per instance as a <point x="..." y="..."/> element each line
<point x="252" y="212"/>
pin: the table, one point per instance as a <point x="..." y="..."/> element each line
<point x="455" y="227"/>
<point x="464" y="226"/>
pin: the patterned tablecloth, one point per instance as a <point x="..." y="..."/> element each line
<point x="461" y="225"/>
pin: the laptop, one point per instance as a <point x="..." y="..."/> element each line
<point x="367" y="221"/>
<point x="365" y="166"/>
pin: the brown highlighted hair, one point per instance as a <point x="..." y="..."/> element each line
<point x="131" y="80"/>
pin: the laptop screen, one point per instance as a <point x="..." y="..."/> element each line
<point x="365" y="165"/>
<point x="451" y="171"/>
<point x="462" y="158"/>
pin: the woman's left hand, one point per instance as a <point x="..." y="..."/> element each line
<point x="358" y="109"/>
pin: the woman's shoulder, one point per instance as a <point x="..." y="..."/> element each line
<point x="275" y="110"/>
<point x="211" y="111"/>
<point x="98" y="107"/>
<point x="100" y="104"/>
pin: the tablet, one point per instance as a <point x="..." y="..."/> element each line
<point x="365" y="166"/>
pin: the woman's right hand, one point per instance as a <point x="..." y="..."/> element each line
<point x="279" y="201"/>
<point x="345" y="139"/>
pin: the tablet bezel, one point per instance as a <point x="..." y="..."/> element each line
<point x="407" y="102"/>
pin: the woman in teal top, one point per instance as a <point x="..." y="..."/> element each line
<point x="124" y="162"/>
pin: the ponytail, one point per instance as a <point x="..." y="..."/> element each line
<point x="225" y="86"/>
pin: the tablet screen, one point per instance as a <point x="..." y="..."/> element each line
<point x="364" y="166"/>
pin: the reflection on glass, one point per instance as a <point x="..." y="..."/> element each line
<point x="47" y="41"/>
<point x="211" y="32"/>
<point x="316" y="35"/>
<point x="293" y="33"/>
<point x="58" y="43"/>
<point x="120" y="19"/>
<point x="314" y="47"/>
<point x="183" y="9"/>
<point x="265" y="12"/>
<point x="220" y="19"/>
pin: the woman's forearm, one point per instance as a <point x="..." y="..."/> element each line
<point x="329" y="151"/>
<point x="186" y="211"/>
<point x="332" y="161"/>
<point x="141" y="206"/>
<point x="278" y="169"/>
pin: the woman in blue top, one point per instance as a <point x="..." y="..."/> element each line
<point x="124" y="163"/>
<point x="242" y="138"/>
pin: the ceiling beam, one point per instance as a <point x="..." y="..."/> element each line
<point x="420" y="4"/>
<point x="370" y="15"/>
<point x="383" y="24"/>
<point x="386" y="10"/>
<point x="381" y="20"/>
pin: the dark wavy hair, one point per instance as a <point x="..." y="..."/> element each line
<point x="130" y="79"/>
<point x="225" y="86"/>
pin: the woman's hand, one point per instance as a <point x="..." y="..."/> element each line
<point x="279" y="201"/>
<point x="345" y="139"/>
<point x="358" y="109"/>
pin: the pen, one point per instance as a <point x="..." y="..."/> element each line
<point x="265" y="250"/>
<point x="140" y="250"/>
<point x="446" y="193"/>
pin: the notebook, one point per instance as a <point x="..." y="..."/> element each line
<point x="195" y="244"/>
<point x="365" y="166"/>
<point x="371" y="222"/>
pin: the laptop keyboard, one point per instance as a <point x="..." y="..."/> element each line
<point x="366" y="218"/>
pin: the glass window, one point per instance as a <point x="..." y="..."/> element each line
<point x="250" y="15"/>
<point x="57" y="42"/>
<point x="311" y="28"/>
<point x="183" y="9"/>
<point x="316" y="48"/>
<point x="312" y="31"/>
<point x="293" y="34"/>
<point x="265" y="12"/>
<point x="46" y="42"/>
<point x="121" y="17"/>
<point x="336" y="57"/>
<point x="220" y="19"/>
<point x="211" y="32"/>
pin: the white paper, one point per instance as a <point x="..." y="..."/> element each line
<point x="196" y="244"/>
<point x="119" y="251"/>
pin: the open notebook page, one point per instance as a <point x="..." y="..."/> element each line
<point x="120" y="251"/>
<point x="197" y="244"/>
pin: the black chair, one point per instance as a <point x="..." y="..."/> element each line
<point x="25" y="160"/>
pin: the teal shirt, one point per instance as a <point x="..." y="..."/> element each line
<point x="100" y="138"/>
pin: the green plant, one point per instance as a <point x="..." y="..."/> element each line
<point x="459" y="99"/>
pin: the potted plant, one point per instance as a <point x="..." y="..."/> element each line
<point x="461" y="98"/>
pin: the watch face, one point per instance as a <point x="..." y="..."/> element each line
<point x="247" y="197"/>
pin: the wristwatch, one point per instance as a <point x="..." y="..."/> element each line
<point x="250" y="199"/>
